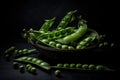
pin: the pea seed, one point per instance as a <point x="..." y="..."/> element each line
<point x="78" y="65"/>
<point x="21" y="67"/>
<point x="100" y="67"/>
<point x="58" y="45"/>
<point x="79" y="47"/>
<point x="45" y="41"/>
<point x="28" y="65"/>
<point x="57" y="72"/>
<point x="70" y="47"/>
<point x="105" y="43"/>
<point x="29" y="58"/>
<point x="52" y="43"/>
<point x="64" y="47"/>
<point x="19" y="51"/>
<point x="16" y="52"/>
<point x="38" y="61"/>
<point x="34" y="59"/>
<point x="82" y="43"/>
<point x="44" y="64"/>
<point x="15" y="65"/>
<point x="25" y="51"/>
<point x="59" y="65"/>
<point x="72" y="65"/>
<point x="91" y="67"/>
<point x="85" y="66"/>
<point x="33" y="69"/>
<point x="24" y="58"/>
<point x="66" y="65"/>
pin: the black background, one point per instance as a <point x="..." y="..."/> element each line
<point x="16" y="15"/>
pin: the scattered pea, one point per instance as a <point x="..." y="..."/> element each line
<point x="59" y="65"/>
<point x="57" y="72"/>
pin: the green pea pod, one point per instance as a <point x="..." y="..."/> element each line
<point x="29" y="60"/>
<point x="74" y="36"/>
<point x="66" y="20"/>
<point x="56" y="34"/>
<point x="89" y="39"/>
<point x="47" y="25"/>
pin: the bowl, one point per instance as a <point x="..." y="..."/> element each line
<point x="54" y="53"/>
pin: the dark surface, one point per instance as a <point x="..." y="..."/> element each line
<point x="20" y="14"/>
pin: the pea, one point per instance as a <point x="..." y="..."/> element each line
<point x="52" y="43"/>
<point x="33" y="69"/>
<point x="19" y="51"/>
<point x="105" y="43"/>
<point x="58" y="45"/>
<point x="44" y="64"/>
<point x="82" y="43"/>
<point x="59" y="65"/>
<point x="72" y="65"/>
<point x="28" y="65"/>
<point x="45" y="41"/>
<point x="112" y="44"/>
<point x="66" y="65"/>
<point x="79" y="47"/>
<point x="64" y="47"/>
<point x="24" y="58"/>
<point x="38" y="61"/>
<point x="21" y="67"/>
<point x="91" y="66"/>
<point x="85" y="66"/>
<point x="29" y="58"/>
<point x="57" y="72"/>
<point x="101" y="45"/>
<point x="100" y="67"/>
<point x="78" y="65"/>
<point x="70" y="47"/>
<point x="34" y="59"/>
<point x="16" y="52"/>
<point x="25" y="51"/>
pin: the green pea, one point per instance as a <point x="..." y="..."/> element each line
<point x="78" y="65"/>
<point x="91" y="66"/>
<point x="45" y="41"/>
<point x="24" y="58"/>
<point x="85" y="66"/>
<point x="34" y="59"/>
<point x="25" y="51"/>
<point x="59" y="65"/>
<point x="28" y="65"/>
<point x="101" y="45"/>
<point x="52" y="43"/>
<point x="79" y="47"/>
<point x="58" y="45"/>
<point x="72" y="65"/>
<point x="44" y="64"/>
<point x="112" y="44"/>
<point x="38" y="61"/>
<point x="57" y="72"/>
<point x="105" y="43"/>
<point x="16" y="52"/>
<point x="64" y="47"/>
<point x="70" y="47"/>
<point x="21" y="67"/>
<point x="19" y="51"/>
<point x="82" y="43"/>
<point x="33" y="69"/>
<point x="100" y="67"/>
<point x="66" y="65"/>
<point x="29" y="58"/>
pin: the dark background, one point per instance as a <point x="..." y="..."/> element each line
<point x="18" y="14"/>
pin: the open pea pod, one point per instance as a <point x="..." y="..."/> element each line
<point x="74" y="36"/>
<point x="89" y="39"/>
<point x="48" y="23"/>
<point x="35" y="61"/>
<point x="66" y="20"/>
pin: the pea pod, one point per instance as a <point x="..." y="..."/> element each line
<point x="56" y="34"/>
<point x="84" y="67"/>
<point x="47" y="25"/>
<point x="89" y="39"/>
<point x="66" y="20"/>
<point x="27" y="59"/>
<point x="74" y="36"/>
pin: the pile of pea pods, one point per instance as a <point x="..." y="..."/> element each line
<point x="62" y="37"/>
